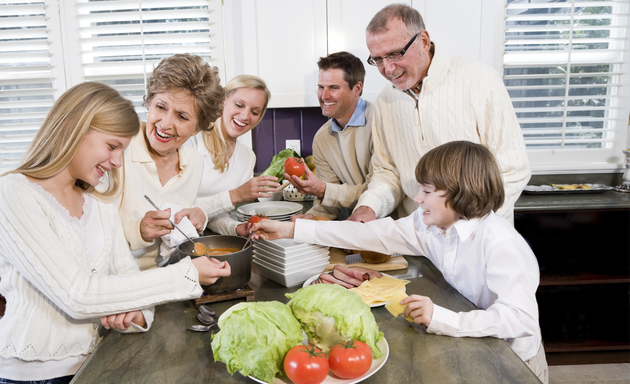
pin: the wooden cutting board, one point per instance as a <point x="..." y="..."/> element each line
<point x="338" y="256"/>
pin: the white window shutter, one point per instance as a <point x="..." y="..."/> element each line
<point x="565" y="67"/>
<point x="29" y="78"/>
<point x="121" y="41"/>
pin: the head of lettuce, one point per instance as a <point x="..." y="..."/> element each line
<point x="254" y="338"/>
<point x="331" y="314"/>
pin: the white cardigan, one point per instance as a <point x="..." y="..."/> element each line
<point x="55" y="293"/>
<point x="460" y="100"/>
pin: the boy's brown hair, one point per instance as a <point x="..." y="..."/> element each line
<point x="469" y="174"/>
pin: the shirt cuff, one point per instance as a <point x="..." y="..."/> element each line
<point x="370" y="200"/>
<point x="443" y="321"/>
<point x="331" y="195"/>
<point x="304" y="231"/>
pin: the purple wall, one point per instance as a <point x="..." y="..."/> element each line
<point x="281" y="124"/>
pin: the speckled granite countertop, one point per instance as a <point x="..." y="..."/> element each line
<point x="169" y="353"/>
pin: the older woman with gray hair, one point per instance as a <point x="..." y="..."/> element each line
<point x="183" y="97"/>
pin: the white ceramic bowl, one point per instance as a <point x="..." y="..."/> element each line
<point x="288" y="279"/>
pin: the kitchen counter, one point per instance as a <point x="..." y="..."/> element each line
<point x="169" y="353"/>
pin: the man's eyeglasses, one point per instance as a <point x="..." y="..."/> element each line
<point x="392" y="57"/>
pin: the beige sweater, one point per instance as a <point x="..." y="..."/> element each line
<point x="342" y="161"/>
<point x="141" y="178"/>
<point x="460" y="100"/>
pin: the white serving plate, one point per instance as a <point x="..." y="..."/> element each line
<point x="290" y="279"/>
<point x="288" y="245"/>
<point x="281" y="270"/>
<point x="309" y="252"/>
<point x="270" y="208"/>
<point x="331" y="379"/>
<point x="313" y="278"/>
<point x="290" y="268"/>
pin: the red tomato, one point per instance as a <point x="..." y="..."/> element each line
<point x="294" y="166"/>
<point x="350" y="360"/>
<point x="306" y="365"/>
<point x="256" y="218"/>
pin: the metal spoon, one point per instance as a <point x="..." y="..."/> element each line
<point x="207" y="310"/>
<point x="205" y="319"/>
<point x="249" y="240"/>
<point x="202" y="328"/>
<point x="171" y="221"/>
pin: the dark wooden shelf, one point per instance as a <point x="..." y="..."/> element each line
<point x="586" y="345"/>
<point x="578" y="278"/>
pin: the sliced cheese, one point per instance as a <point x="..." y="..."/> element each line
<point x="379" y="290"/>
<point x="394" y="307"/>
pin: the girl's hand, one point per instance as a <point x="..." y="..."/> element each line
<point x="273" y="229"/>
<point x="261" y="186"/>
<point x="243" y="229"/>
<point x="420" y="308"/>
<point x="122" y="321"/>
<point x="210" y="270"/>
<point x="196" y="216"/>
<point x="155" y="224"/>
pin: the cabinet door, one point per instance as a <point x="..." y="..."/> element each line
<point x="347" y="20"/>
<point x="279" y="41"/>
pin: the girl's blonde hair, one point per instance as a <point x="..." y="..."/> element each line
<point x="213" y="139"/>
<point x="83" y="107"/>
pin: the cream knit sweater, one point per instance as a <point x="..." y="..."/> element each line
<point x="141" y="178"/>
<point x="342" y="161"/>
<point x="55" y="293"/>
<point x="460" y="100"/>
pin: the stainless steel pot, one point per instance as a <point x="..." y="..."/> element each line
<point x="240" y="262"/>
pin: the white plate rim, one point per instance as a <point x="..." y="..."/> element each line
<point x="295" y="207"/>
<point x="376" y="366"/>
<point x="313" y="278"/>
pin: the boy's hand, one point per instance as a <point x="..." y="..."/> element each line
<point x="420" y="308"/>
<point x="272" y="230"/>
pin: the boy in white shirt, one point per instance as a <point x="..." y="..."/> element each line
<point x="478" y="252"/>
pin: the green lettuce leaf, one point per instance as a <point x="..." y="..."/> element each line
<point x="330" y="314"/>
<point x="276" y="168"/>
<point x="254" y="338"/>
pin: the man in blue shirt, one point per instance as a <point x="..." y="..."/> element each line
<point x="342" y="147"/>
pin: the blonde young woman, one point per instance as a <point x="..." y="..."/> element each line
<point x="65" y="268"/>
<point x="229" y="164"/>
<point x="184" y="96"/>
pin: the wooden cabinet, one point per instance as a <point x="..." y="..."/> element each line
<point x="584" y="292"/>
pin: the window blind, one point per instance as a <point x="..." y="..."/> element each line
<point x="563" y="68"/>
<point x="121" y="41"/>
<point x="26" y="77"/>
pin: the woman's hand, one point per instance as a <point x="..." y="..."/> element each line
<point x="122" y="321"/>
<point x="155" y="224"/>
<point x="273" y="229"/>
<point x="420" y="308"/>
<point x="261" y="186"/>
<point x="196" y="216"/>
<point x="211" y="269"/>
<point x="243" y="229"/>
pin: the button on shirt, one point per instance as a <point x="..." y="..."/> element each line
<point x="485" y="259"/>
<point x="356" y="120"/>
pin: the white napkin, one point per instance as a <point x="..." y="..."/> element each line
<point x="173" y="239"/>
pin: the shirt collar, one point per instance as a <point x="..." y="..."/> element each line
<point x="140" y="152"/>
<point x="356" y="120"/>
<point x="464" y="228"/>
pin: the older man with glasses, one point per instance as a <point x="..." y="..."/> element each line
<point x="435" y="98"/>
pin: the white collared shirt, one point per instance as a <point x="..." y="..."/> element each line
<point x="486" y="260"/>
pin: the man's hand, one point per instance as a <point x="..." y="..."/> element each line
<point x="311" y="186"/>
<point x="272" y="230"/>
<point x="306" y="216"/>
<point x="363" y="214"/>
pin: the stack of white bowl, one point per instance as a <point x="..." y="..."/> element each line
<point x="275" y="210"/>
<point x="289" y="263"/>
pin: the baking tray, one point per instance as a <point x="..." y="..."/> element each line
<point x="551" y="190"/>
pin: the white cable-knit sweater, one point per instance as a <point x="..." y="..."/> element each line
<point x="55" y="293"/>
<point x="460" y="99"/>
